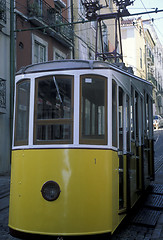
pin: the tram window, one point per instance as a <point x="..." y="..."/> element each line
<point x="121" y="120"/>
<point x="128" y="123"/>
<point x="53" y="110"/>
<point x="22" y="113"/>
<point x="150" y="118"/>
<point x="93" y="124"/>
<point x="142" y="120"/>
<point x="132" y="113"/>
<point x="137" y="112"/>
<point x="147" y="114"/>
<point x="114" y="113"/>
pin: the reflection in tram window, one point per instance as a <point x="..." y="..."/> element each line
<point x="142" y="120"/>
<point x="132" y="113"/>
<point x="121" y="118"/>
<point x="54" y="132"/>
<point x="147" y="114"/>
<point x="93" y="110"/>
<point x="128" y="123"/>
<point x="22" y="113"/>
<point x="137" y="113"/>
<point x="53" y="109"/>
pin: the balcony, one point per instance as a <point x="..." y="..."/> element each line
<point x="42" y="14"/>
<point x="150" y="57"/>
<point x="2" y="96"/>
<point x="2" y="13"/>
<point x="152" y="79"/>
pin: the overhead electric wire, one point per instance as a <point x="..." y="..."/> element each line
<point x="152" y="19"/>
<point x="22" y="6"/>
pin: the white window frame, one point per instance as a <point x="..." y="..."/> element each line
<point x="41" y="42"/>
<point x="60" y="53"/>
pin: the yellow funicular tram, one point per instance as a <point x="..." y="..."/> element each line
<point x="82" y="151"/>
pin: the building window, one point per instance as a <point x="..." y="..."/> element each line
<point x="58" y="55"/>
<point x="81" y="9"/>
<point x="39" y="50"/>
<point x="2" y="93"/>
<point x="141" y="65"/>
<point x="3" y="10"/>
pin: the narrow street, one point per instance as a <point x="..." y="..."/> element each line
<point x="128" y="230"/>
<point x="132" y="231"/>
<point x="158" y="147"/>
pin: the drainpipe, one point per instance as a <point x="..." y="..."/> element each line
<point x="72" y="20"/>
<point x="12" y="68"/>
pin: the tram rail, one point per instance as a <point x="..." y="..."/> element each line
<point x="158" y="164"/>
<point x="4" y="200"/>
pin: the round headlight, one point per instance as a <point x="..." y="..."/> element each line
<point x="50" y="191"/>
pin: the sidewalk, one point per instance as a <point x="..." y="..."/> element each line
<point x="4" y="207"/>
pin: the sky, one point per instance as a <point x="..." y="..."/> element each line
<point x="150" y="5"/>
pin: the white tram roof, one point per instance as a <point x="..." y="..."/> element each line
<point x="71" y="64"/>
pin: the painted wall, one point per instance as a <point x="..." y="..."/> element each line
<point x="5" y="75"/>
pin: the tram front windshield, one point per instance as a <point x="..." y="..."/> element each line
<point x="53" y="116"/>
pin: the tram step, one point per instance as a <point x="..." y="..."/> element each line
<point x="146" y="217"/>
<point x="4" y="191"/>
<point x="4" y="202"/>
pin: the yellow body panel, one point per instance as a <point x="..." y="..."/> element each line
<point x="88" y="202"/>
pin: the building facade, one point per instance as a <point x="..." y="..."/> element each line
<point x="4" y="87"/>
<point x="143" y="51"/>
<point x="154" y="57"/>
<point x="43" y="32"/>
<point x="87" y="41"/>
<point x="133" y="43"/>
<point x="84" y="33"/>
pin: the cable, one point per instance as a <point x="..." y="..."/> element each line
<point x="152" y="19"/>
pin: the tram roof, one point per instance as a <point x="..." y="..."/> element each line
<point x="71" y="64"/>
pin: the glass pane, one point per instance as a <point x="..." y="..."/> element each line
<point x="114" y="114"/>
<point x="142" y="120"/>
<point x="128" y="123"/>
<point x="22" y="113"/>
<point x="137" y="112"/>
<point x="121" y="119"/>
<point x="132" y="113"/>
<point x="42" y="53"/>
<point x="36" y="52"/>
<point x="93" y="107"/>
<point x="54" y="132"/>
<point x="54" y="109"/>
<point x="147" y="114"/>
<point x="54" y="98"/>
<point x="121" y="159"/>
